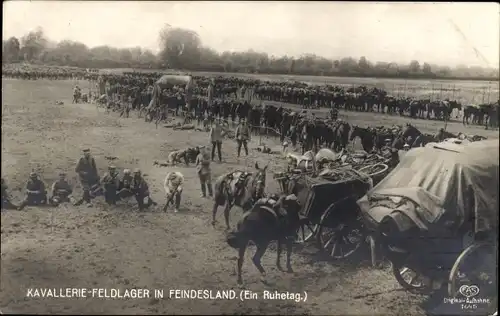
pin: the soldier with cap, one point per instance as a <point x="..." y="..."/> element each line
<point x="140" y="189"/>
<point x="61" y="190"/>
<point x="125" y="185"/>
<point x="243" y="136"/>
<point x="216" y="136"/>
<point x="35" y="192"/>
<point x="111" y="184"/>
<point x="87" y="171"/>
<point x="6" y="203"/>
<point x="173" y="189"/>
<point x="386" y="150"/>
<point x="204" y="172"/>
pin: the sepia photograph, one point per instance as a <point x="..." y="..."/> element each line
<point x="250" y="158"/>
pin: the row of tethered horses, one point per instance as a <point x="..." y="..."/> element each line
<point x="350" y="99"/>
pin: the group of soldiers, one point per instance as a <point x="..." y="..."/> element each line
<point x="113" y="186"/>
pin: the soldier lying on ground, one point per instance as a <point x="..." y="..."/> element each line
<point x="61" y="191"/>
<point x="6" y="203"/>
<point x="35" y="192"/>
<point x="187" y="155"/>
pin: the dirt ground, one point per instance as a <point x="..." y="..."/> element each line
<point x="118" y="247"/>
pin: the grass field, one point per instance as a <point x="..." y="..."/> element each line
<point x="465" y="91"/>
<point x="117" y="247"/>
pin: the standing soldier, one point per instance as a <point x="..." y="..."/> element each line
<point x="87" y="171"/>
<point x="140" y="189"/>
<point x="61" y="190"/>
<point x="204" y="172"/>
<point x="216" y="135"/>
<point x="242" y="137"/>
<point x="111" y="184"/>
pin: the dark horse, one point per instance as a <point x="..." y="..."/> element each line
<point x="238" y="188"/>
<point x="366" y="135"/>
<point x="341" y="130"/>
<point x="267" y="221"/>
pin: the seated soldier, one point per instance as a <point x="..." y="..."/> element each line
<point x="111" y="184"/>
<point x="125" y="185"/>
<point x="61" y="191"/>
<point x="6" y="203"/>
<point x="140" y="189"/>
<point x="35" y="192"/>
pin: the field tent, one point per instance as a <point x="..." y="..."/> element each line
<point x="172" y="80"/>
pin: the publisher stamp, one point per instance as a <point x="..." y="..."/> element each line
<point x="468" y="298"/>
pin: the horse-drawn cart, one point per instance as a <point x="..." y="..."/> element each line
<point x="329" y="205"/>
<point x="435" y="218"/>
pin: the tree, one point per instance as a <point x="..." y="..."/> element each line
<point x="11" y="50"/>
<point x="180" y="48"/>
<point x="33" y="44"/>
<point x="414" y="66"/>
<point x="363" y="63"/>
<point x="427" y="68"/>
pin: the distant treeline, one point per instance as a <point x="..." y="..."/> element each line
<point x="182" y="49"/>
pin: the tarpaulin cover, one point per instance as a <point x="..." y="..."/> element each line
<point x="171" y="80"/>
<point x="437" y="178"/>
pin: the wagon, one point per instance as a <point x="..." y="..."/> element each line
<point x="329" y="208"/>
<point x="435" y="217"/>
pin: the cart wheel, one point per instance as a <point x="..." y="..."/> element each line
<point x="306" y="232"/>
<point x="341" y="241"/>
<point x="476" y="266"/>
<point x="374" y="170"/>
<point x="410" y="280"/>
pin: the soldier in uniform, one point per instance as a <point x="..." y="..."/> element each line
<point x="204" y="172"/>
<point x="61" y="190"/>
<point x="178" y="156"/>
<point x="35" y="192"/>
<point x="6" y="203"/>
<point x="140" y="189"/>
<point x="387" y="148"/>
<point x="87" y="171"/>
<point x="124" y="186"/>
<point x="111" y="184"/>
<point x="173" y="189"/>
<point x="243" y="137"/>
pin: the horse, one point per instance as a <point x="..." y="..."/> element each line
<point x="267" y="221"/>
<point x="366" y="135"/>
<point x="238" y="188"/>
<point x="341" y="130"/>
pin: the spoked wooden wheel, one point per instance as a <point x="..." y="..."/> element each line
<point x="341" y="241"/>
<point x="474" y="271"/>
<point x="374" y="170"/>
<point x="306" y="232"/>
<point x="409" y="279"/>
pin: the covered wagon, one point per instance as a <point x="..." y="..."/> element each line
<point x="435" y="217"/>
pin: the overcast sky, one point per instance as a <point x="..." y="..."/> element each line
<point x="443" y="33"/>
